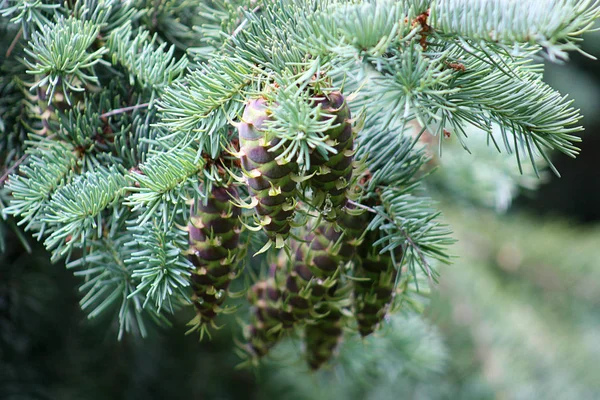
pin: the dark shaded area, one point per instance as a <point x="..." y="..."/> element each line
<point x="48" y="350"/>
<point x="576" y="195"/>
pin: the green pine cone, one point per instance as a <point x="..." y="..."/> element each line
<point x="325" y="250"/>
<point x="323" y="337"/>
<point x="270" y="181"/>
<point x="314" y="270"/>
<point x="264" y="330"/>
<point x="300" y="294"/>
<point x="374" y="290"/>
<point x="214" y="246"/>
<point x="332" y="173"/>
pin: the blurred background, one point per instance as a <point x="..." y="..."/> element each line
<point x="517" y="316"/>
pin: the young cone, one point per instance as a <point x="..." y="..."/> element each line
<point x="269" y="180"/>
<point x="374" y="288"/>
<point x="314" y="271"/>
<point x="214" y="248"/>
<point x="264" y="330"/>
<point x="300" y="294"/>
<point x="332" y="173"/>
<point x="323" y="337"/>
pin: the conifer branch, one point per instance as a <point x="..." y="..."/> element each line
<point x="47" y="169"/>
<point x="59" y="52"/>
<point x="124" y="110"/>
<point x="109" y="282"/>
<point x="76" y="208"/>
<point x="160" y="183"/>
<point x="12" y="168"/>
<point x="160" y="265"/>
<point x="296" y="106"/>
<point x="510" y="22"/>
<point x="154" y="68"/>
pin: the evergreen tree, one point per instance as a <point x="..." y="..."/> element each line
<point x="164" y="149"/>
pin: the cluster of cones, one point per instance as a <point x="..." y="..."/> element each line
<point x="328" y="274"/>
<point x="335" y="280"/>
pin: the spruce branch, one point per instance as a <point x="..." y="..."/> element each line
<point x="538" y="117"/>
<point x="198" y="108"/>
<point x="554" y="25"/>
<point x="133" y="136"/>
<point x="152" y="67"/>
<point x="14" y="43"/>
<point x="408" y="69"/>
<point x="46" y="170"/>
<point x="392" y="158"/>
<point x="12" y="168"/>
<point x="267" y="40"/>
<point x="160" y="265"/>
<point x="76" y="208"/>
<point x="411" y="84"/>
<point x="410" y="222"/>
<point x="162" y="182"/>
<point x="123" y="110"/>
<point x="108" y="14"/>
<point x="402" y="217"/>
<point x="219" y="19"/>
<point x="32" y="15"/>
<point x="60" y="54"/>
<point x="109" y="282"/>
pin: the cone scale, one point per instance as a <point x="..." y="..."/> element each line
<point x="323" y="337"/>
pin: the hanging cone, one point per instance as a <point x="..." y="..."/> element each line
<point x="270" y="180"/>
<point x="264" y="330"/>
<point x="214" y="248"/>
<point x="332" y="173"/>
<point x="323" y="337"/>
<point x="374" y="290"/>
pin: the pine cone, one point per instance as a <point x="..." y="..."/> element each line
<point x="332" y="174"/>
<point x="324" y="336"/>
<point x="313" y="272"/>
<point x="264" y="330"/>
<point x="374" y="292"/>
<point x="214" y="238"/>
<point x="270" y="180"/>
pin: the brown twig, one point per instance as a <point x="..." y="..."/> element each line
<point x="19" y="162"/>
<point x="123" y="110"/>
<point x="14" y="42"/>
<point x="12" y="168"/>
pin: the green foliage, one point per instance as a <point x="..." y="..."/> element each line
<point x="128" y="130"/>
<point x="59" y="52"/>
<point x="161" y="182"/>
<point x="557" y="32"/>
<point x="30" y="14"/>
<point x="76" y="207"/>
<point x="46" y="171"/>
<point x="160" y="265"/>
<point x="149" y="65"/>
<point x="198" y="108"/>
<point x="109" y="282"/>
